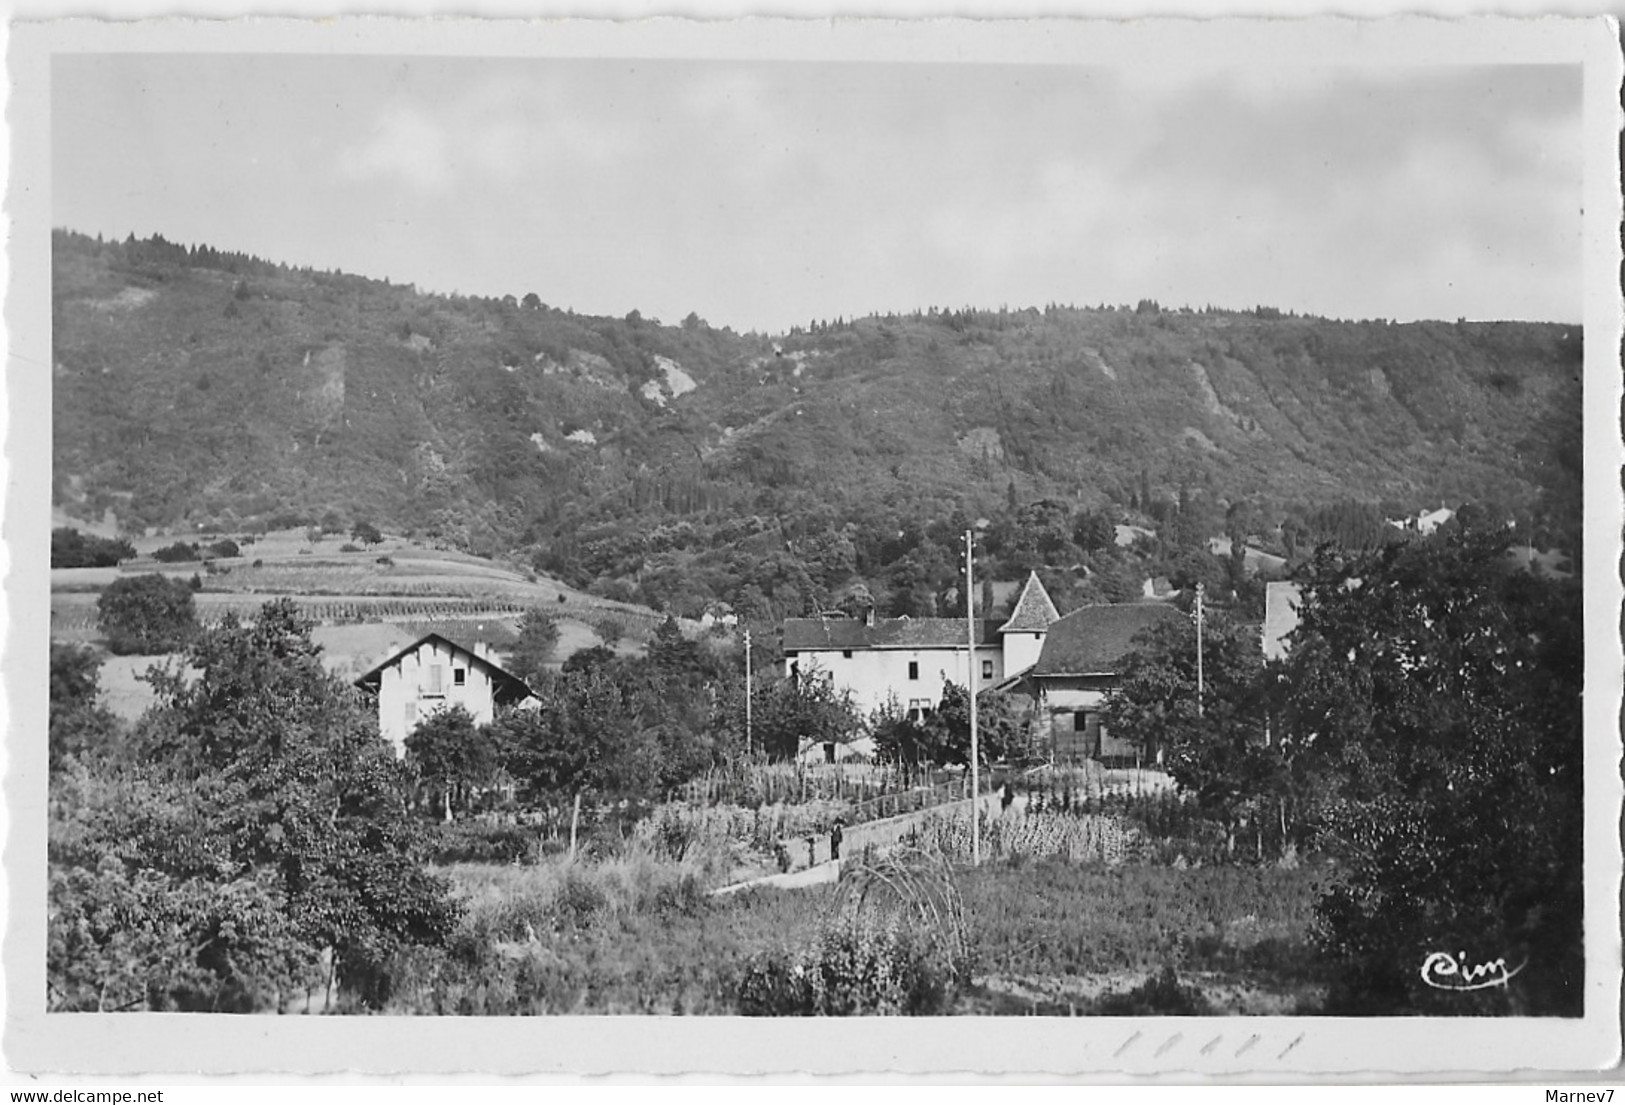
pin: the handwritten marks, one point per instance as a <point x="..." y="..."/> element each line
<point x="1444" y="971"/>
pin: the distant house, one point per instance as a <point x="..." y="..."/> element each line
<point x="1159" y="588"/>
<point x="431" y="674"/>
<point x="1078" y="667"/>
<point x="907" y="660"/>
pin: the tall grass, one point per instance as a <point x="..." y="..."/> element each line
<point x="1079" y="838"/>
<point x="893" y="940"/>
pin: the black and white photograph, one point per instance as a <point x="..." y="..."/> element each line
<point x="1049" y="528"/>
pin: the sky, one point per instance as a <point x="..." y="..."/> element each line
<point x="763" y="195"/>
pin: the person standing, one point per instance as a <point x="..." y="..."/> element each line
<point x="835" y="835"/>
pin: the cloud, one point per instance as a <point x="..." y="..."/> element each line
<point x="405" y="145"/>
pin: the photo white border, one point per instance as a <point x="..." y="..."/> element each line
<point x="1258" y="1046"/>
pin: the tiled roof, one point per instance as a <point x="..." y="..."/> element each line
<point x="809" y="634"/>
<point x="1280" y="617"/>
<point x="508" y="686"/>
<point x="1094" y="639"/>
<point x="1034" y="611"/>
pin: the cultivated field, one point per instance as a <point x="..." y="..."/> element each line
<point x="363" y="609"/>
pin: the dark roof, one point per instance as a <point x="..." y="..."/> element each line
<point x="508" y="687"/>
<point x="1034" y="611"/>
<point x="1092" y="640"/>
<point x="806" y="634"/>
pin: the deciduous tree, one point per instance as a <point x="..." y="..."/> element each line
<point x="533" y="651"/>
<point x="146" y="615"/>
<point x="1439" y="694"/>
<point x="1217" y="752"/>
<point x="452" y="755"/>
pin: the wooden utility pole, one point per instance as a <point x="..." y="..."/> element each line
<point x="970" y="666"/>
<point x="1200" y="589"/>
<point x="747" y="692"/>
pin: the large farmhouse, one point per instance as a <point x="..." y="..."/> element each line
<point x="432" y="674"/>
<point x="1065" y="665"/>
<point x="907" y="660"/>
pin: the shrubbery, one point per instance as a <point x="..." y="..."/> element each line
<point x="147" y="615"/>
<point x="247" y="841"/>
<point x="477" y="841"/>
<point x="72" y="549"/>
<point x="178" y="553"/>
<point x="851" y="969"/>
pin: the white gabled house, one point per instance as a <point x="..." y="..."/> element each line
<point x="1067" y="665"/>
<point x="432" y="674"/>
<point x="909" y="659"/>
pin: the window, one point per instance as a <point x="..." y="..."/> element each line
<point x="435" y="685"/>
<point x="846" y="654"/>
<point x="459" y="677"/>
<point x="1080" y="721"/>
<point x="987" y="669"/>
<point x="913" y="669"/>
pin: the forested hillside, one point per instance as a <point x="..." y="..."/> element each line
<point x="684" y="464"/>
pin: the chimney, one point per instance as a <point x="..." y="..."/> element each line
<point x="482" y="649"/>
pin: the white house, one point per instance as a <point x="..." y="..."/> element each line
<point x="432" y="674"/>
<point x="909" y="659"/>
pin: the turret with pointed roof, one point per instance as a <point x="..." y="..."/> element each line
<point x="1023" y="633"/>
<point x="1034" y="612"/>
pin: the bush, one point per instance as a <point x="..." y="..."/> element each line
<point x="894" y="942"/>
<point x="854" y="969"/>
<point x="225" y="547"/>
<point x="481" y="842"/>
<point x="349" y="547"/>
<point x="1161" y="996"/>
<point x="72" y="549"/>
<point x="147" y="615"/>
<point x="177" y="553"/>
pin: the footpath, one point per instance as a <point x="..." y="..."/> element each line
<point x="878" y="835"/>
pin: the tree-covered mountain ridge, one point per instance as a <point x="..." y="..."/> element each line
<point x="195" y="388"/>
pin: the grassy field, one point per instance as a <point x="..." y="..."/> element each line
<point x="640" y="934"/>
<point x="1055" y="937"/>
<point x="363" y="609"/>
<point x="395" y="580"/>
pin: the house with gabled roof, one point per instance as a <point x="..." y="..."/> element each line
<point x="908" y="660"/>
<point x="1077" y="668"/>
<point x="434" y="673"/>
<point x="1066" y="665"/>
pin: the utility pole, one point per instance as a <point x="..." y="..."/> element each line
<point x="970" y="667"/>
<point x="747" y="690"/>
<point x="1200" y="589"/>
